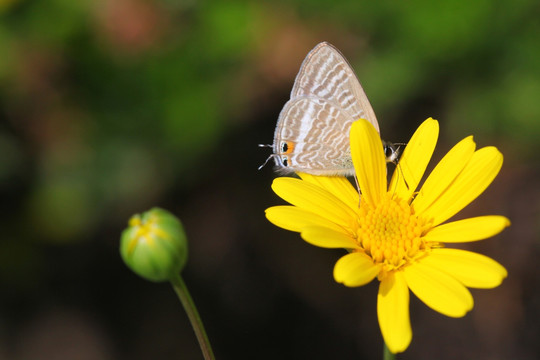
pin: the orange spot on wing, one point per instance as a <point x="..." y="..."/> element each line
<point x="290" y="147"/>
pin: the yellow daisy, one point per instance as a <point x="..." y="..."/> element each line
<point x="395" y="233"/>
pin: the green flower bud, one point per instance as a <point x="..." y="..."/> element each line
<point x="154" y="245"/>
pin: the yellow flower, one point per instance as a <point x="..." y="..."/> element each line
<point x="396" y="233"/>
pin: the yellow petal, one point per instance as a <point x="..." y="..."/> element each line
<point x="471" y="182"/>
<point x="393" y="312"/>
<point x="471" y="269"/>
<point x="438" y="290"/>
<point x="444" y="173"/>
<point x="355" y="269"/>
<point x="315" y="199"/>
<point x="369" y="162"/>
<point x="328" y="238"/>
<point x="337" y="185"/>
<point x="415" y="158"/>
<point x="472" y="229"/>
<point x="295" y="219"/>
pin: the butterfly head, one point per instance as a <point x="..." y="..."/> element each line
<point x="392" y="152"/>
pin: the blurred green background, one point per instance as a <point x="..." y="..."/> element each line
<point x="108" y="108"/>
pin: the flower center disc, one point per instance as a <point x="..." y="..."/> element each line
<point x="391" y="233"/>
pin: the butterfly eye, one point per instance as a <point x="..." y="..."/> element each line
<point x="285" y="161"/>
<point x="388" y="151"/>
<point x="284" y="146"/>
<point x="391" y="152"/>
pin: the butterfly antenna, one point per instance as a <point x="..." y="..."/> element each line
<point x="397" y="180"/>
<point x="358" y="189"/>
<point x="267" y="159"/>
<point x="398" y="167"/>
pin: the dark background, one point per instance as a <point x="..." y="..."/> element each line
<point x="108" y="108"/>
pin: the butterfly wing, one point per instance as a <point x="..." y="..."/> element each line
<point x="312" y="133"/>
<point x="310" y="138"/>
<point x="325" y="73"/>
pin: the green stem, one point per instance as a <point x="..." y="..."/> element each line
<point x="387" y="355"/>
<point x="187" y="302"/>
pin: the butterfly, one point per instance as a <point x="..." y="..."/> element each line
<point x="312" y="132"/>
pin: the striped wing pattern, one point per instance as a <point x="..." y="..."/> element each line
<point x="314" y="130"/>
<point x="312" y="133"/>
